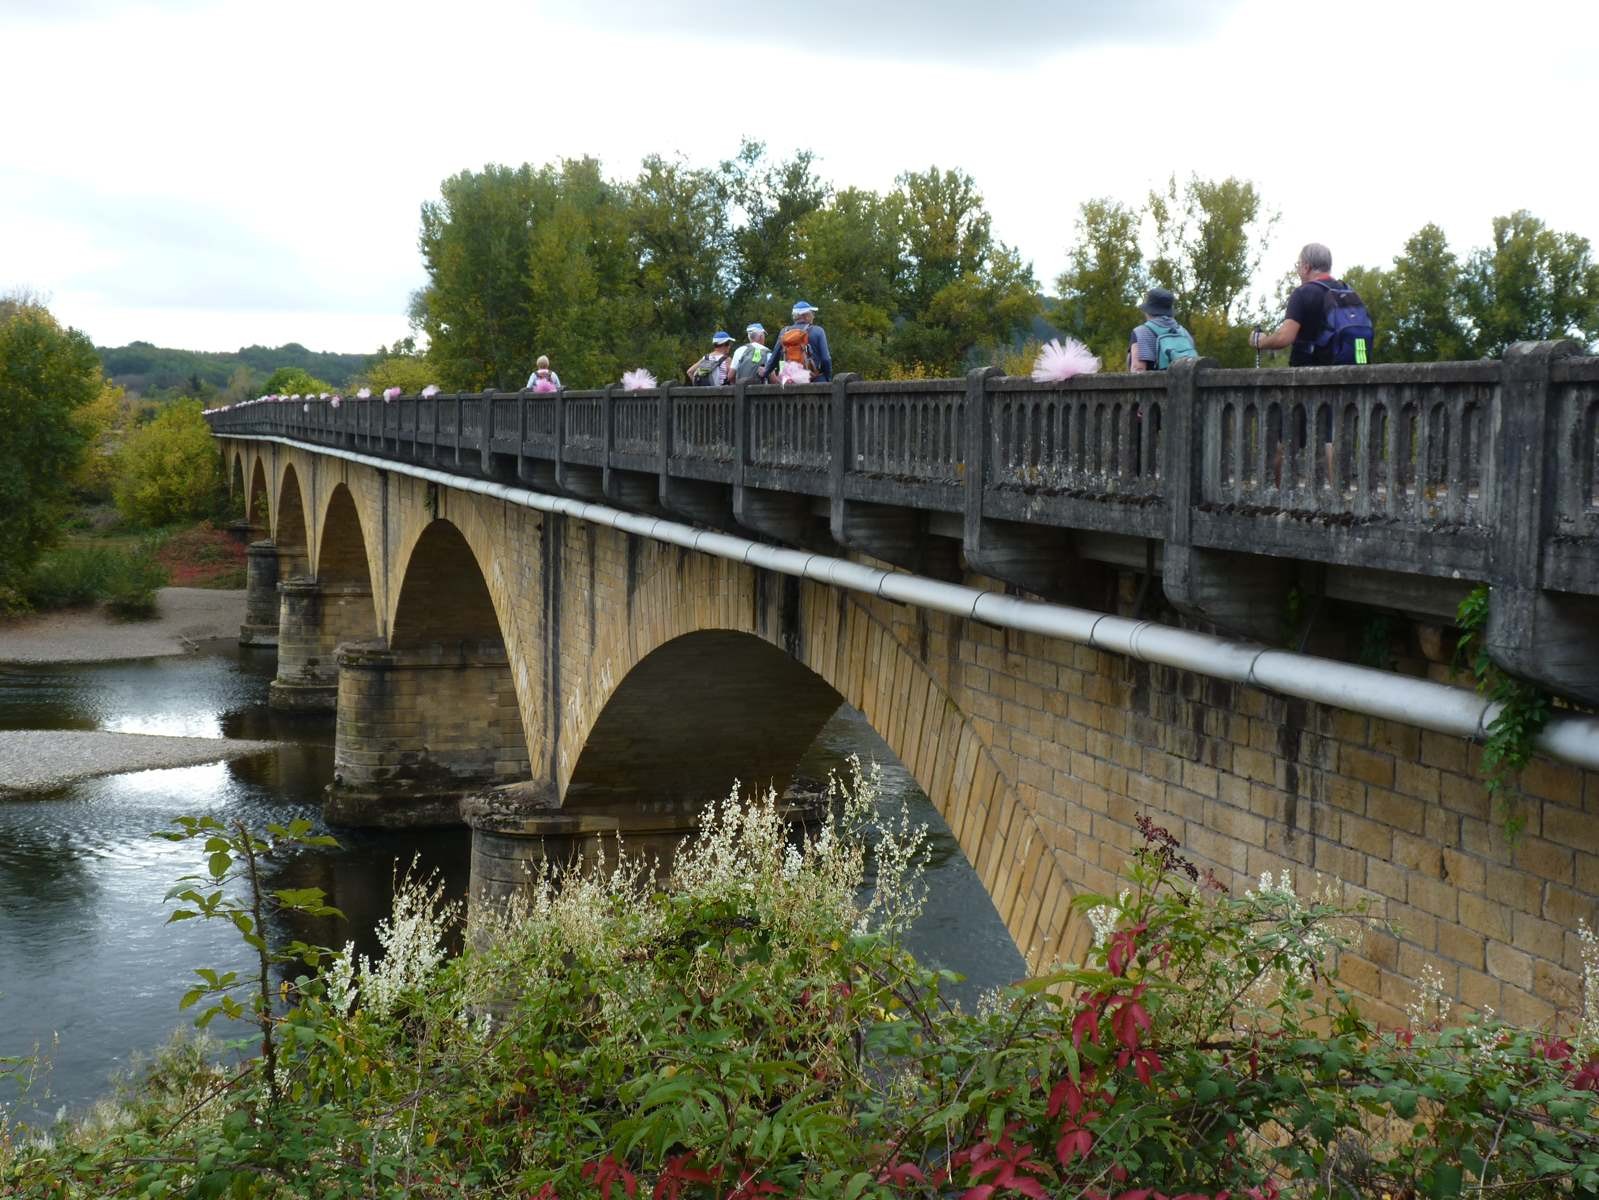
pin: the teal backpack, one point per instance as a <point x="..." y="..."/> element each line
<point x="1171" y="344"/>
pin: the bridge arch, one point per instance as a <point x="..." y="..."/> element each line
<point x="443" y="594"/>
<point x="258" y="503"/>
<point x="696" y="713"/>
<point x="289" y="525"/>
<point x="341" y="556"/>
<point x="688" y="617"/>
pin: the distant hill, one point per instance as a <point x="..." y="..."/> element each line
<point x="141" y="367"/>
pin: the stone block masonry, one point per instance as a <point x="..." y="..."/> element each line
<point x="1040" y="754"/>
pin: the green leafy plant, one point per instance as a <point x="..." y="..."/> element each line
<point x="753" y="1027"/>
<point x="235" y="857"/>
<point x="1524" y="710"/>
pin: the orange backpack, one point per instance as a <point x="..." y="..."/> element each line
<point x="794" y="345"/>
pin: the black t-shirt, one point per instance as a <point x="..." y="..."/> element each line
<point x="1308" y="306"/>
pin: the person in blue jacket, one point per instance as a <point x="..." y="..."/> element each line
<point x="805" y="342"/>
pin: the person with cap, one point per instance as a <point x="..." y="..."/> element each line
<point x="752" y="359"/>
<point x="805" y="343"/>
<point x="1160" y="340"/>
<point x="543" y="379"/>
<point x="716" y="368"/>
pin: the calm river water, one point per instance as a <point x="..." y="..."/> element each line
<point x="89" y="974"/>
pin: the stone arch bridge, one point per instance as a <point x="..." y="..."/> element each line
<point x="615" y="680"/>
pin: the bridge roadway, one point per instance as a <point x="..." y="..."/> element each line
<point x="467" y="642"/>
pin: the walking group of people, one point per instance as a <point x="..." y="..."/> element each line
<point x="1325" y="325"/>
<point x="800" y="354"/>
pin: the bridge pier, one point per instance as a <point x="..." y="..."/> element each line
<point x="420" y="727"/>
<point x="265" y="564"/>
<point x="314" y="619"/>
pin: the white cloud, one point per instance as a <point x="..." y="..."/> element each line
<point x="213" y="174"/>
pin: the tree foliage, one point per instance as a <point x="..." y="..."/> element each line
<point x="603" y="275"/>
<point x="168" y="470"/>
<point x="1531" y="283"/>
<point x="49" y="376"/>
<point x="295" y="381"/>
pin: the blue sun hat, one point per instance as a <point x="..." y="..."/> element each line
<point x="754" y="327"/>
<point x="803" y="306"/>
<point x="721" y="337"/>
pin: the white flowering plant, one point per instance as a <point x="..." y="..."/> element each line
<point x="751" y="1025"/>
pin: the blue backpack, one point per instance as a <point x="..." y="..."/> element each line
<point x="1346" y="329"/>
<point x="1171" y="344"/>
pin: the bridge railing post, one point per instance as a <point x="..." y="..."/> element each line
<point x="977" y="434"/>
<point x="485" y="441"/>
<point x="460" y="413"/>
<point x="741" y="436"/>
<point x="607" y="434"/>
<point x="559" y="430"/>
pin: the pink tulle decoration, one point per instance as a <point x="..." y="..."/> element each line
<point x="430" y="391"/>
<point x="364" y="394"/>
<point x="792" y="372"/>
<point x="335" y="401"/>
<point x="1058" y="362"/>
<point x="294" y="397"/>
<point x="636" y="379"/>
<point x="390" y="394"/>
<point x="324" y="396"/>
<point x="545" y="385"/>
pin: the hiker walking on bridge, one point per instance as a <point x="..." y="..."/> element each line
<point x="804" y="343"/>
<point x="753" y="359"/>
<point x="1159" y="341"/>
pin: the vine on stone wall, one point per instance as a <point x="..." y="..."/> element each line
<point x="1526" y="710"/>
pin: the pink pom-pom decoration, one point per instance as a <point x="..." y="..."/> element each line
<point x="390" y="394"/>
<point x="335" y="401"/>
<point x="1058" y="361"/>
<point x="324" y="396"/>
<point x="792" y="372"/>
<point x="636" y="379"/>
<point x="364" y="394"/>
<point x="430" y="391"/>
<point x="294" y="397"/>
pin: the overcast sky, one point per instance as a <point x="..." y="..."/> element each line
<point x="209" y="175"/>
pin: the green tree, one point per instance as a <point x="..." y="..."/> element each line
<point x="1104" y="280"/>
<point x="849" y="260"/>
<point x="1416" y="304"/>
<point x="48" y="375"/>
<point x="960" y="290"/>
<point x="168" y="470"/>
<point x="1210" y="239"/>
<point x="770" y="202"/>
<point x="476" y="310"/>
<point x="1531" y="284"/>
<point x="291" y="381"/>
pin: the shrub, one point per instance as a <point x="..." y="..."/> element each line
<point x="753" y="1028"/>
<point x="127" y="579"/>
<point x="168" y="470"/>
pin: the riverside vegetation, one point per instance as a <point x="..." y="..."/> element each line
<point x="754" y="1028"/>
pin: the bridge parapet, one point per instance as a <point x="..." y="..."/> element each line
<point x="1402" y="485"/>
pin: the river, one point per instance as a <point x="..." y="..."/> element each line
<point x="90" y="974"/>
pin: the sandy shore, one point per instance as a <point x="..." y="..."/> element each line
<point x="37" y="759"/>
<point x="184" y="618"/>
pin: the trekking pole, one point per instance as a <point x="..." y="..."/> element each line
<point x="1257" y="330"/>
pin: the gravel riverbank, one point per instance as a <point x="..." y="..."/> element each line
<point x="184" y="617"/>
<point x="34" y="760"/>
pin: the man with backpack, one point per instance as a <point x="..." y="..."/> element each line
<point x="752" y="360"/>
<point x="1326" y="323"/>
<point x="1159" y="341"/>
<point x="804" y="343"/>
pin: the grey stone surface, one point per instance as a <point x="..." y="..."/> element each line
<point x="37" y="759"/>
<point x="184" y="618"/>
